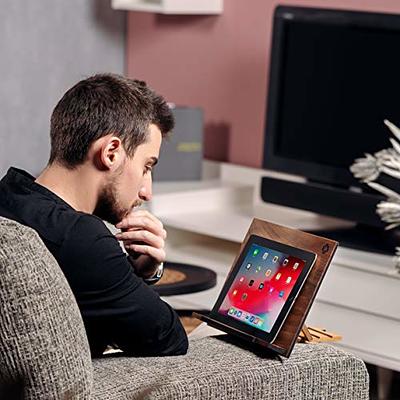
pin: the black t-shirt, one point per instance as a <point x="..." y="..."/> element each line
<point x="116" y="305"/>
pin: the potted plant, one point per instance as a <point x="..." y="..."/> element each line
<point x="384" y="162"/>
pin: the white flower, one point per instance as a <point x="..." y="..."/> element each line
<point x="387" y="162"/>
<point x="389" y="212"/>
<point x="366" y="169"/>
<point x="389" y="193"/>
<point x="393" y="128"/>
<point x="386" y="155"/>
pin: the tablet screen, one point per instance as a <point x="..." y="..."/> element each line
<point x="261" y="287"/>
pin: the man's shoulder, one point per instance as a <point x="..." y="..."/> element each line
<point x="57" y="224"/>
<point x="89" y="224"/>
<point x="23" y="200"/>
<point x="92" y="258"/>
<point x="89" y="232"/>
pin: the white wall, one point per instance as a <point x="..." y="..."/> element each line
<point x="45" y="47"/>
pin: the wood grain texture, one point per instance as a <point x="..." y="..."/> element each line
<point x="324" y="248"/>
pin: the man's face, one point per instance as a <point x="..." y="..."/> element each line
<point x="130" y="184"/>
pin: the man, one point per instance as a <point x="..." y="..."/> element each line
<point x="106" y="133"/>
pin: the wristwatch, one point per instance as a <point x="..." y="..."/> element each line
<point x="157" y="276"/>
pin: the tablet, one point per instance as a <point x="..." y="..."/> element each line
<point x="262" y="287"/>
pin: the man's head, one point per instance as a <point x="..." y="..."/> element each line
<point x="114" y="125"/>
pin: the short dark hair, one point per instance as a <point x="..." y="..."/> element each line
<point x="100" y="105"/>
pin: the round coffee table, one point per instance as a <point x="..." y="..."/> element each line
<point x="181" y="278"/>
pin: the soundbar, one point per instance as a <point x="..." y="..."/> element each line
<point x="323" y="199"/>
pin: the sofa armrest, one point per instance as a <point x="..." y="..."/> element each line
<point x="44" y="350"/>
<point x="214" y="369"/>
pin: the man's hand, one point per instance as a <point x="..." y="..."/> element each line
<point x="144" y="237"/>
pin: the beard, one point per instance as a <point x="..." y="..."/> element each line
<point x="109" y="208"/>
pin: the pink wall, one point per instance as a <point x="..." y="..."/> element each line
<point x="219" y="63"/>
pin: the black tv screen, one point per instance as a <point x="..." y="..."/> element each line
<point x="334" y="78"/>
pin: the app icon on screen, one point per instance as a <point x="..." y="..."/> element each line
<point x="258" y="269"/>
<point x="281" y="293"/>
<point x="260" y="322"/>
<point x="268" y="272"/>
<point x="261" y="286"/>
<point x="255" y="252"/>
<point x="241" y="279"/>
<point x="256" y="320"/>
<point x="239" y="313"/>
<point x="244" y="296"/>
<point x="285" y="261"/>
<point x="251" y="282"/>
<point x="265" y="256"/>
<point x="271" y="290"/>
<point x="248" y="266"/>
<point x="288" y="279"/>
<point x="278" y="276"/>
<point x="251" y="319"/>
<point x="275" y="259"/>
<point x="295" y="265"/>
<point x="231" y="310"/>
<point x="235" y="292"/>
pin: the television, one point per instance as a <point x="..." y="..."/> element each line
<point x="334" y="77"/>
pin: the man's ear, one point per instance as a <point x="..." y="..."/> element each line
<point x="110" y="152"/>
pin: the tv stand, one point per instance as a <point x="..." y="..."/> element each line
<point x="207" y="220"/>
<point x="364" y="238"/>
<point x="323" y="199"/>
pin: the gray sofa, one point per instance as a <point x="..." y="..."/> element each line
<point x="44" y="352"/>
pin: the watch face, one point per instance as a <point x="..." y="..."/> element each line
<point x="157" y="275"/>
<point x="160" y="271"/>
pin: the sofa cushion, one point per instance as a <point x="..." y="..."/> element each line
<point x="43" y="344"/>
<point x="213" y="369"/>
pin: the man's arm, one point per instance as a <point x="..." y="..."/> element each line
<point x="116" y="305"/>
<point x="143" y="236"/>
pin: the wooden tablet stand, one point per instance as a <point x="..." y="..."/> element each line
<point x="310" y="334"/>
<point x="294" y="323"/>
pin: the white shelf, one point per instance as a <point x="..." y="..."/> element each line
<point x="206" y="221"/>
<point x="225" y="210"/>
<point x="372" y="337"/>
<point x="187" y="7"/>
